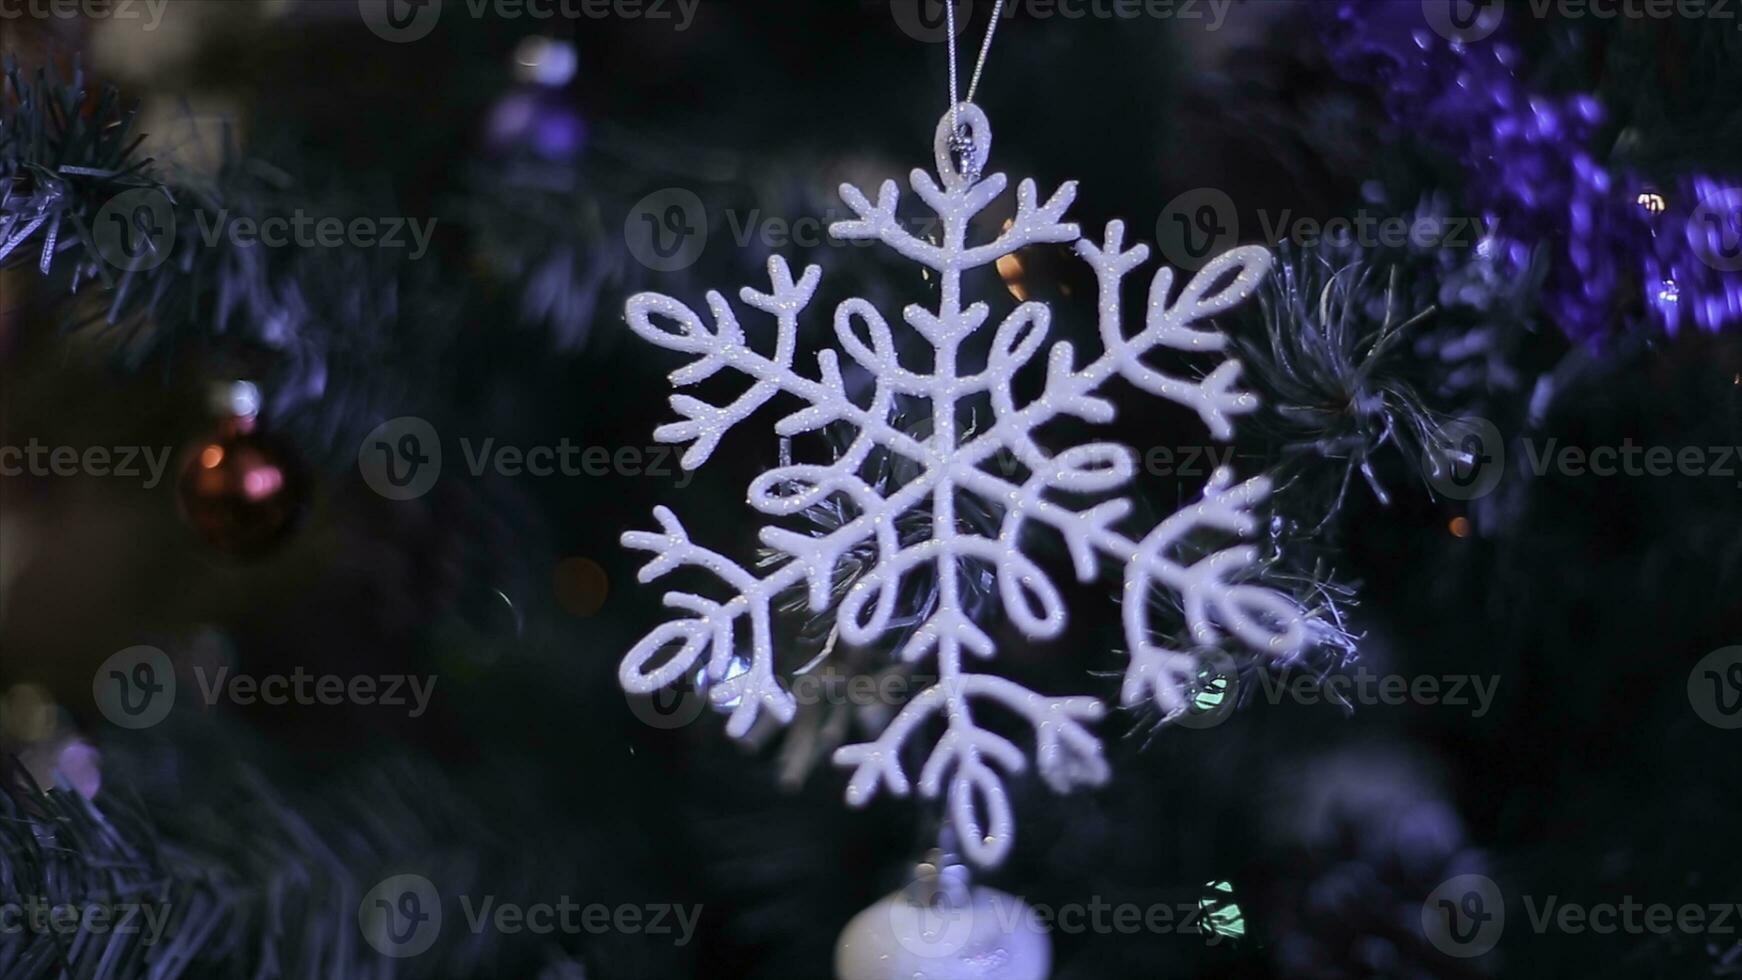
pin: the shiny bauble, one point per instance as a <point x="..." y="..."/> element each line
<point x="985" y="935"/>
<point x="242" y="491"/>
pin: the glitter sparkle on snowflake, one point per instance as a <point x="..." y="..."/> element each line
<point x="967" y="764"/>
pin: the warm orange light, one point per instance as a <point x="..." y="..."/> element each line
<point x="1010" y="267"/>
<point x="1011" y="270"/>
<point x="211" y="456"/>
<point x="581" y="586"/>
<point x="1460" y="527"/>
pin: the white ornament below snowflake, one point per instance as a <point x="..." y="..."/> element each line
<point x="968" y="763"/>
<point x="989" y="935"/>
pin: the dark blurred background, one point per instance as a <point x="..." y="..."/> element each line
<point x="1315" y="831"/>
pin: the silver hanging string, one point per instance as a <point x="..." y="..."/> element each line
<point x="979" y="65"/>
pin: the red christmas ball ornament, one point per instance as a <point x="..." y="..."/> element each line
<point x="241" y="490"/>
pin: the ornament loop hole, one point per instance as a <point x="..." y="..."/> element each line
<point x="963" y="143"/>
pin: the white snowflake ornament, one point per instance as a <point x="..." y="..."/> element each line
<point x="967" y="763"/>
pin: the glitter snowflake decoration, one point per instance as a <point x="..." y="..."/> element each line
<point x="967" y="761"/>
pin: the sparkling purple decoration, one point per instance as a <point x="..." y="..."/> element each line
<point x="1694" y="266"/>
<point x="1536" y="184"/>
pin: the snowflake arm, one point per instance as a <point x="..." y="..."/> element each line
<point x="1168" y="324"/>
<point x="711" y="630"/>
<point x="1066" y="754"/>
<point x="724" y="346"/>
<point x="878" y="222"/>
<point x="1034" y="222"/>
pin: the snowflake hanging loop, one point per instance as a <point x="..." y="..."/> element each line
<point x="968" y="763"/>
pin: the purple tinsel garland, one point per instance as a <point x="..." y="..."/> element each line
<point x="1538" y="186"/>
